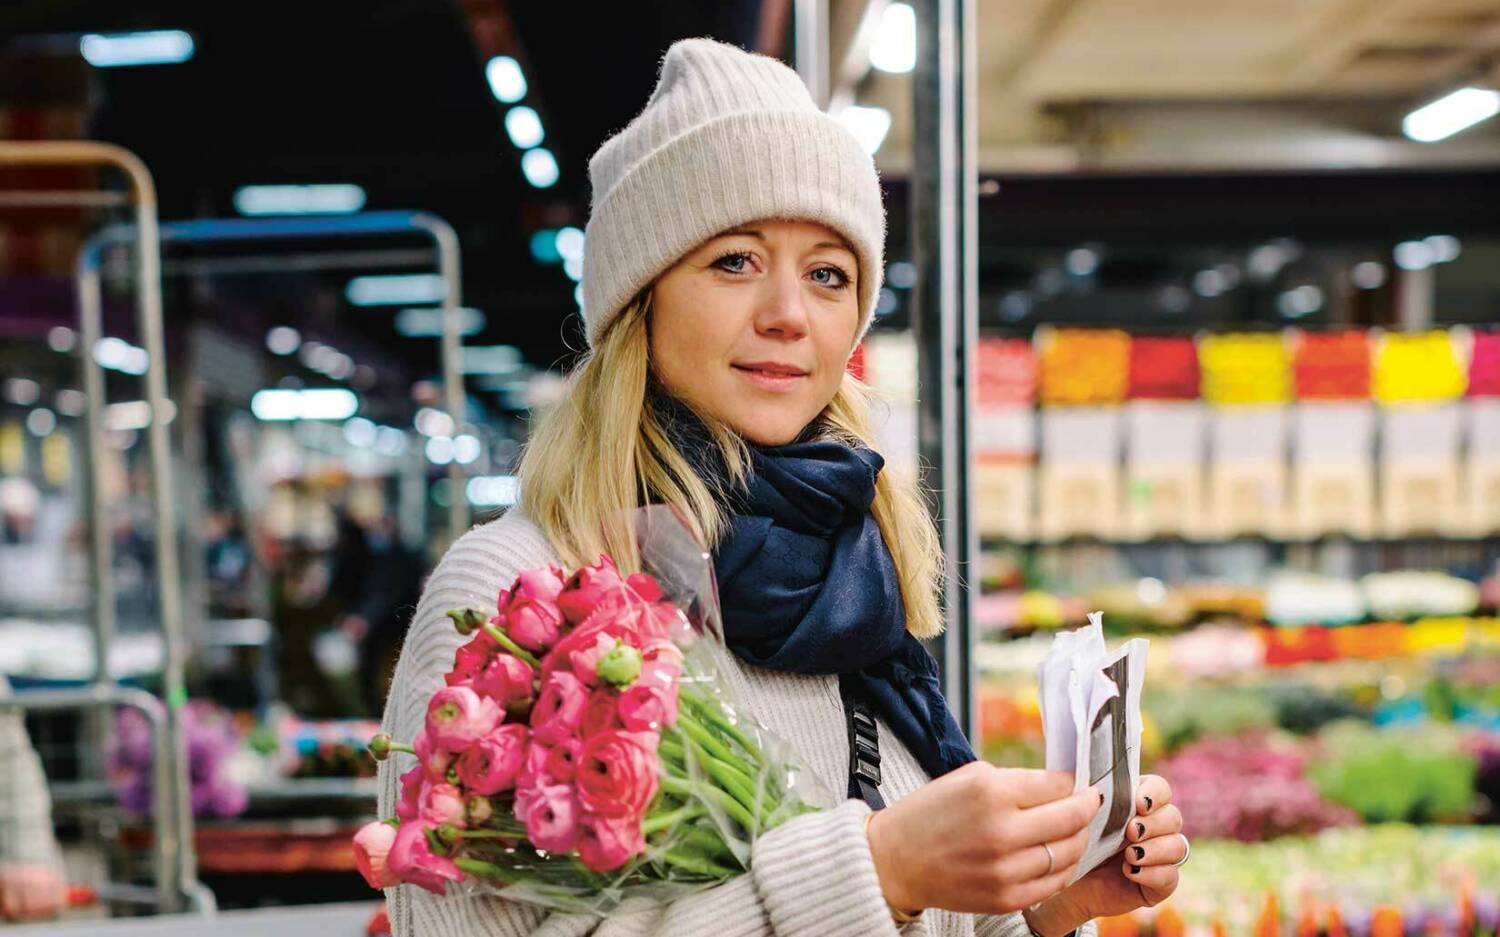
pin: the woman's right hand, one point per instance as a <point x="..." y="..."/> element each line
<point x="971" y="840"/>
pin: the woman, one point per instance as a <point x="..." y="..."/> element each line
<point x="731" y="264"/>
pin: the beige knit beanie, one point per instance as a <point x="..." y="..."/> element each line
<point x="728" y="137"/>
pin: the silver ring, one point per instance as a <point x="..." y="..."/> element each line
<point x="1187" y="849"/>
<point x="1051" y="860"/>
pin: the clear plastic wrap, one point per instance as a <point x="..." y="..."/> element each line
<point x="586" y="747"/>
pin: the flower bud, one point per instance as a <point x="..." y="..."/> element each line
<point x="620" y="666"/>
<point x="480" y="810"/>
<point x="380" y="747"/>
<point x="467" y="620"/>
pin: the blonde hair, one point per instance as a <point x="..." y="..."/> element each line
<point x="600" y="450"/>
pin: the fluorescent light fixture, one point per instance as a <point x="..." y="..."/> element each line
<point x="1449" y="114"/>
<point x="540" y="167"/>
<point x="22" y="391"/>
<point x="544" y="246"/>
<point x="314" y="403"/>
<point x="466" y="449"/>
<point x="428" y="322"/>
<point x="868" y="124"/>
<point x="157" y="47"/>
<point x="390" y="441"/>
<point x="1414" y="255"/>
<point x="507" y="82"/>
<point x="569" y="243"/>
<point x="134" y="414"/>
<point x="895" y="47"/>
<point x="119" y="355"/>
<point x="430" y="422"/>
<point x="360" y="432"/>
<point x="439" y="450"/>
<point x="490" y="359"/>
<point x="396" y="290"/>
<point x="283" y="340"/>
<point x="61" y="339"/>
<point x="524" y="126"/>
<point x="493" y="491"/>
<point x="339" y="198"/>
<point x="41" y="422"/>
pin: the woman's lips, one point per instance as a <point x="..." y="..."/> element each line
<point x="769" y="380"/>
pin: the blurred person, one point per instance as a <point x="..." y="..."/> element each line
<point x="31" y="886"/>
<point x="732" y="262"/>
<point x="377" y="620"/>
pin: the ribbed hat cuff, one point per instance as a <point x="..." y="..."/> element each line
<point x="726" y="172"/>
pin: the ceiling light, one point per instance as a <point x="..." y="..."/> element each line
<point x="540" y="167"/>
<point x="439" y="450"/>
<point x="60" y="338"/>
<point x="157" y="47"/>
<point x="1449" y="114"/>
<point x="1368" y="275"/>
<point x="895" y="46"/>
<point x="1082" y="261"/>
<point x="41" y="421"/>
<point x="466" y="449"/>
<point x="22" y="391"/>
<point x="283" y="340"/>
<point x="396" y="290"/>
<point x="428" y="322"/>
<point x="524" y="126"/>
<point x="316" y="403"/>
<point x="493" y="491"/>
<point x="507" y="82"/>
<point x="119" y="355"/>
<point x="1413" y="255"/>
<point x="331" y="199"/>
<point x="1445" y="248"/>
<point x="868" y="124"/>
<point x="569" y="243"/>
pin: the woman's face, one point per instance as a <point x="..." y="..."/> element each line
<point x="755" y="326"/>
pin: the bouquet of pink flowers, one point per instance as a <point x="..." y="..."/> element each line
<point x="583" y="748"/>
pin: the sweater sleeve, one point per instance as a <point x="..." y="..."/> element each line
<point x="1014" y="925"/>
<point x="25" y="808"/>
<point x="811" y="876"/>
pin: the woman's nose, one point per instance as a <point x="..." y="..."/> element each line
<point x="783" y="309"/>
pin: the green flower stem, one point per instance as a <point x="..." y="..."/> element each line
<point x="722" y="764"/>
<point x="707" y="792"/>
<point x="664" y="820"/>
<point x="487" y="870"/>
<point x="485" y="834"/>
<point x="707" y="842"/>
<point x="671" y="749"/>
<point x="731" y="783"/>
<point x="715" y="717"/>
<point x="502" y="639"/>
<point x="697" y="865"/>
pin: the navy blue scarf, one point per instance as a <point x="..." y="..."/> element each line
<point x="807" y="584"/>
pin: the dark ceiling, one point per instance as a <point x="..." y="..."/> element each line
<point x="391" y="95"/>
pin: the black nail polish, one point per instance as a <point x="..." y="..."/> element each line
<point x="1140" y="829"/>
<point x="1140" y="853"/>
<point x="1135" y="870"/>
<point x="1101" y="798"/>
<point x="1148" y="803"/>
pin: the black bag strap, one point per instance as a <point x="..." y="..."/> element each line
<point x="864" y="747"/>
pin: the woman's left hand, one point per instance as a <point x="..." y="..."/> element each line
<point x="1146" y="872"/>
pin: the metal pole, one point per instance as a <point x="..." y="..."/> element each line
<point x="452" y="354"/>
<point x="810" y="22"/>
<point x="944" y="211"/>
<point x="173" y="818"/>
<point x="101" y="543"/>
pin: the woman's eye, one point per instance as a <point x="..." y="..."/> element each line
<point x="733" y="263"/>
<point x="830" y="276"/>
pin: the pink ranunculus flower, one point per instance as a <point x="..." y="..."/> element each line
<point x="443" y="803"/>
<point x="493" y="763"/>
<point x="601" y="713"/>
<point x="586" y="587"/>
<point x="644" y="586"/>
<point x="470" y="659"/>
<point x="661" y="651"/>
<point x="617" y="773"/>
<point x="586" y="660"/>
<point x="412" y="860"/>
<point x="535" y="624"/>
<point x="648" y="706"/>
<point x="433" y="759"/>
<point x="559" y="709"/>
<point x="546" y="583"/>
<point x="457" y="717"/>
<point x="534" y="769"/>
<point x="562" y="760"/>
<point x="410" y="803"/>
<point x="507" y="679"/>
<point x="372" y="847"/>
<point x="551" y="816"/>
<point x="606" y="843"/>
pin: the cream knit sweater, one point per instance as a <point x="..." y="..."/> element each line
<point x="812" y="877"/>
